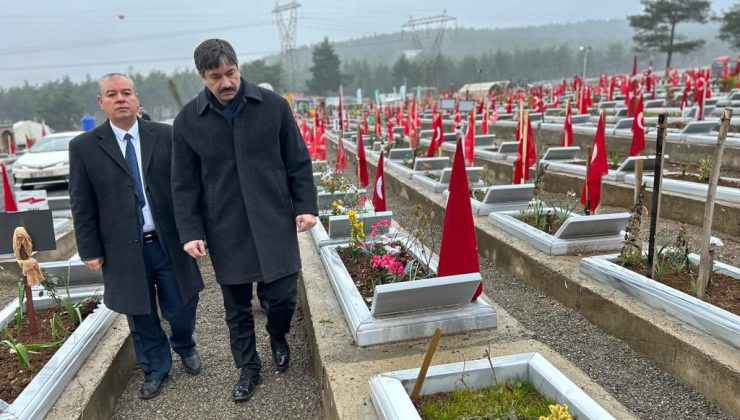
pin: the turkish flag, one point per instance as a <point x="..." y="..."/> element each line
<point x="597" y="168"/>
<point x="11" y="145"/>
<point x="389" y="128"/>
<point x="379" y="187"/>
<point x="340" y="161"/>
<point x="484" y="122"/>
<point x="361" y="161"/>
<point x="470" y="140"/>
<point x="638" y="130"/>
<point x="437" y="136"/>
<point x="458" y="252"/>
<point x="8" y="198"/>
<point x="568" y="125"/>
<point x="521" y="174"/>
<point x="494" y="117"/>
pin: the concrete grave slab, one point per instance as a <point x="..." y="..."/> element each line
<point x="561" y="153"/>
<point x="695" y="189"/>
<point x="503" y="198"/>
<point x="473" y="174"/>
<point x="340" y="228"/>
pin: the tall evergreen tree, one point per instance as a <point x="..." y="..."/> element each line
<point x="325" y="75"/>
<point x="656" y="27"/>
<point x="730" y="29"/>
<point x="258" y="71"/>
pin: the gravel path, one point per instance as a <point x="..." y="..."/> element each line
<point x="294" y="394"/>
<point x="638" y="383"/>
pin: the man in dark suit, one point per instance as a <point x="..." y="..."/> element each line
<point x="121" y="198"/>
<point x="242" y="180"/>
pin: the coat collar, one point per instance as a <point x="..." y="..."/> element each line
<point x="109" y="144"/>
<point x="251" y="91"/>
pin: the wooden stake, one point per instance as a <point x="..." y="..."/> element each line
<point x="657" y="189"/>
<point x="425" y="365"/>
<point x="706" y="262"/>
<point x="638" y="178"/>
<point x="30" y="310"/>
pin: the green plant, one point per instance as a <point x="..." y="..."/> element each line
<point x="684" y="168"/>
<point x="705" y="169"/>
<point x="565" y="205"/>
<point x="614" y="159"/>
<point x="631" y="253"/>
<point x="23" y="350"/>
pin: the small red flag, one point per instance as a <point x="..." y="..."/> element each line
<point x="470" y="140"/>
<point x="484" y="121"/>
<point x="361" y="161"/>
<point x="597" y="168"/>
<point x="437" y="136"/>
<point x="8" y="199"/>
<point x="638" y="130"/>
<point x="458" y="253"/>
<point x="568" y="125"/>
<point x="521" y="174"/>
<point x="340" y="161"/>
<point x="379" y="187"/>
<point x="11" y="145"/>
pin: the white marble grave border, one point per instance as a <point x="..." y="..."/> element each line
<point x="389" y="392"/>
<point x="706" y="317"/>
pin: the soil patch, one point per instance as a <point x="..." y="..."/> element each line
<point x="548" y="222"/>
<point x="14" y="380"/>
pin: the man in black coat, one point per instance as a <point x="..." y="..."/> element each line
<point x="121" y="198"/>
<point x="242" y="181"/>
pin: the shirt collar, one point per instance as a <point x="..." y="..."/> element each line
<point x="120" y="133"/>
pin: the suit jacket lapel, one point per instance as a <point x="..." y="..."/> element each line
<point x="109" y="144"/>
<point x="147" y="139"/>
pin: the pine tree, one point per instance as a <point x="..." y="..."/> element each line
<point x="656" y="27"/>
<point x="730" y="29"/>
<point x="325" y="75"/>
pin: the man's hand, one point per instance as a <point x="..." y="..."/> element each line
<point x="94" y="264"/>
<point x="196" y="249"/>
<point x="305" y="222"/>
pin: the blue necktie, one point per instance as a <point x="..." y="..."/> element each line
<point x="133" y="167"/>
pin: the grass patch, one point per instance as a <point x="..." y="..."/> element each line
<point x="511" y="399"/>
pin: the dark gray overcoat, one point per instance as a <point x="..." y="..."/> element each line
<point x="241" y="185"/>
<point x="105" y="213"/>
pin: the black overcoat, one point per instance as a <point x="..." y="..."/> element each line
<point x="105" y="213"/>
<point x="241" y="185"/>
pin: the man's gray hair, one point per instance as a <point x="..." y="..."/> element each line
<point x="212" y="53"/>
<point x="109" y="76"/>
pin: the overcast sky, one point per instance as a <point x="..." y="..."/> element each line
<point x="46" y="39"/>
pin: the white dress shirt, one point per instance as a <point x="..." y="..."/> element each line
<point x="134" y="131"/>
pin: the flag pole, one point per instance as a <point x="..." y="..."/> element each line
<point x="525" y="132"/>
<point x="588" y="163"/>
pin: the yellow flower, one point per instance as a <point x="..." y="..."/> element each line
<point x="558" y="412"/>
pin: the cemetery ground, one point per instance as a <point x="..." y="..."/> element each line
<point x="636" y="381"/>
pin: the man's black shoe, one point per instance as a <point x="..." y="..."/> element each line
<point x="280" y="353"/>
<point x="150" y="389"/>
<point x="191" y="363"/>
<point x="246" y="385"/>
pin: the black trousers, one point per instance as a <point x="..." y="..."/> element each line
<point x="279" y="298"/>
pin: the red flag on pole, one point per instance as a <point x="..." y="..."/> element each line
<point x="8" y="198"/>
<point x="458" y="253"/>
<point x="521" y="167"/>
<point x="340" y="161"/>
<point x="484" y="121"/>
<point x="361" y="161"/>
<point x="638" y="130"/>
<point x="568" y="125"/>
<point x="11" y="145"/>
<point x="437" y="136"/>
<point x="597" y="168"/>
<point x="379" y="187"/>
<point x="470" y="139"/>
<point x="341" y="118"/>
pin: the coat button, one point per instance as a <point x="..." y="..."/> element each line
<point x="130" y="187"/>
<point x="228" y="133"/>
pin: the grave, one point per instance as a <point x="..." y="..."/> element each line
<point x="561" y="153"/>
<point x="503" y="198"/>
<point x="340" y="228"/>
<point x="473" y="173"/>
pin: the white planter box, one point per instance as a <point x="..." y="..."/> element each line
<point x="712" y="320"/>
<point x="408" y="310"/>
<point x="505" y="151"/>
<point x="420" y="165"/>
<point x="325" y="199"/>
<point x="340" y="229"/>
<point x="695" y="189"/>
<point x="578" y="234"/>
<point x="390" y="392"/>
<point x="41" y="393"/>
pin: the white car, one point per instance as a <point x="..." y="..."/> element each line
<point x="47" y="162"/>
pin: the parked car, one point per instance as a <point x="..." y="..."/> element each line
<point x="47" y="162"/>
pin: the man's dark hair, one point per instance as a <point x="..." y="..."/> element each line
<point x="212" y="53"/>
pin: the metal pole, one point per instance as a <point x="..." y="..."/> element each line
<point x="657" y="184"/>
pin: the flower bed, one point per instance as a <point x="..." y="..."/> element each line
<point x="709" y="318"/>
<point x="389" y="392"/>
<point x="393" y="308"/>
<point x="53" y="374"/>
